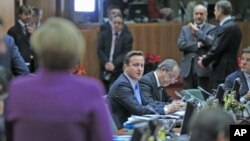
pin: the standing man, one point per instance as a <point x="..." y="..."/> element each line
<point x="195" y="41"/>
<point x="223" y="53"/>
<point x="125" y="95"/>
<point x="112" y="47"/>
<point x="21" y="32"/>
<point x="153" y="84"/>
<point x="10" y="57"/>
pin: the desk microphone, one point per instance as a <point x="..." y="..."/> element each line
<point x="206" y="92"/>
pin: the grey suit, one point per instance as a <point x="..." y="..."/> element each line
<point x="151" y="91"/>
<point x="193" y="74"/>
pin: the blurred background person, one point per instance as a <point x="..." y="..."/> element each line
<point x="211" y="125"/>
<point x="159" y="10"/>
<point x="10" y="57"/>
<point x="194" y="41"/>
<point x="5" y="77"/>
<point x="243" y="74"/>
<point x="59" y="106"/>
<point x="36" y="18"/>
<point x="111" y="49"/>
<point x="153" y="84"/>
<point x="222" y="57"/>
<point x="21" y="33"/>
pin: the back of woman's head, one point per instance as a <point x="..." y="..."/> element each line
<point x="58" y="44"/>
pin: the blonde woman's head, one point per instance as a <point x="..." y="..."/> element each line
<point x="58" y="44"/>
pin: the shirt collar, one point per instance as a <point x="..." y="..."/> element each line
<point x="132" y="81"/>
<point x="246" y="75"/>
<point x="225" y="19"/>
<point x="157" y="80"/>
<point x="201" y="25"/>
<point x="21" y="23"/>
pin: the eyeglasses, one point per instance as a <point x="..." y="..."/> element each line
<point x="172" y="77"/>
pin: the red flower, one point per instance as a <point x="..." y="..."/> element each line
<point x="152" y="58"/>
<point x="78" y="70"/>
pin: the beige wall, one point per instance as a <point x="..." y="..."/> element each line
<point x="7" y="13"/>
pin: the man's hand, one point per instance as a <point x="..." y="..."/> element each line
<point x="109" y="66"/>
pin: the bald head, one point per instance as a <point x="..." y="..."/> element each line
<point x="200" y="14"/>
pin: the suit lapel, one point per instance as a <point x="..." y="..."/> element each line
<point x="156" y="91"/>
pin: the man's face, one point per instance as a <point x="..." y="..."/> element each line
<point x="117" y="24"/>
<point x="168" y="77"/>
<point x="135" y="67"/>
<point x="25" y="17"/>
<point x="245" y="62"/>
<point x="113" y="12"/>
<point x="217" y="13"/>
<point x="199" y="14"/>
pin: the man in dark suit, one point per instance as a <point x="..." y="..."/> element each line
<point x="153" y="84"/>
<point x="243" y="74"/>
<point x="194" y="41"/>
<point x="125" y="95"/>
<point x="223" y="53"/>
<point x="10" y="57"/>
<point x="21" y="32"/>
<point x="111" y="12"/>
<point x="112" y="47"/>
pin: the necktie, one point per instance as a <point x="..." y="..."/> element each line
<point x="137" y="93"/>
<point x="160" y="92"/>
<point x="116" y="39"/>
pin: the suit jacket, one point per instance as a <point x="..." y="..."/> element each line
<point x="123" y="46"/>
<point x="124" y="104"/>
<point x="64" y="107"/>
<point x="230" y="81"/>
<point x="223" y="53"/>
<point x="151" y="92"/>
<point x="189" y="47"/>
<point x="22" y="41"/>
<point x="12" y="59"/>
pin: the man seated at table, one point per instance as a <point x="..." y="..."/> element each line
<point x="243" y="74"/>
<point x="153" y="84"/>
<point x="125" y="97"/>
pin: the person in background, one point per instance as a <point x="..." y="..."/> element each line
<point x="10" y="57"/>
<point x="111" y="12"/>
<point x="125" y="96"/>
<point x="243" y="74"/>
<point x="5" y="78"/>
<point x="59" y="106"/>
<point x="153" y="84"/>
<point x="21" y="33"/>
<point x="158" y="10"/>
<point x="37" y="15"/>
<point x="194" y="41"/>
<point x="211" y="125"/>
<point x="222" y="56"/>
<point x="111" y="49"/>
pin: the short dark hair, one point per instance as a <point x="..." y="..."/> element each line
<point x="225" y="7"/>
<point x="130" y="54"/>
<point x="113" y="7"/>
<point x="25" y="9"/>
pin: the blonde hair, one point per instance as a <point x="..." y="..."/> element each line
<point x="58" y="44"/>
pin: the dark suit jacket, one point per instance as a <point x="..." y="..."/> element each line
<point x="124" y="104"/>
<point x="223" y="53"/>
<point x="150" y="90"/>
<point x="188" y="45"/>
<point x="124" y="45"/>
<point x="12" y="59"/>
<point x="22" y="41"/>
<point x="230" y="81"/>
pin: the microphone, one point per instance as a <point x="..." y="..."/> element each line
<point x="206" y="92"/>
<point x="220" y="93"/>
<point x="180" y="96"/>
<point x="236" y="87"/>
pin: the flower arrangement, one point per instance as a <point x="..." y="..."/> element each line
<point x="231" y="104"/>
<point x="79" y="70"/>
<point x="152" y="60"/>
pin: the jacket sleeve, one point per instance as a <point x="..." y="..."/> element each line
<point x="185" y="44"/>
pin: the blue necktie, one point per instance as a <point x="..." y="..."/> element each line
<point x="137" y="93"/>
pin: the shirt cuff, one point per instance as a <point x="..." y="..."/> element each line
<point x="166" y="109"/>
